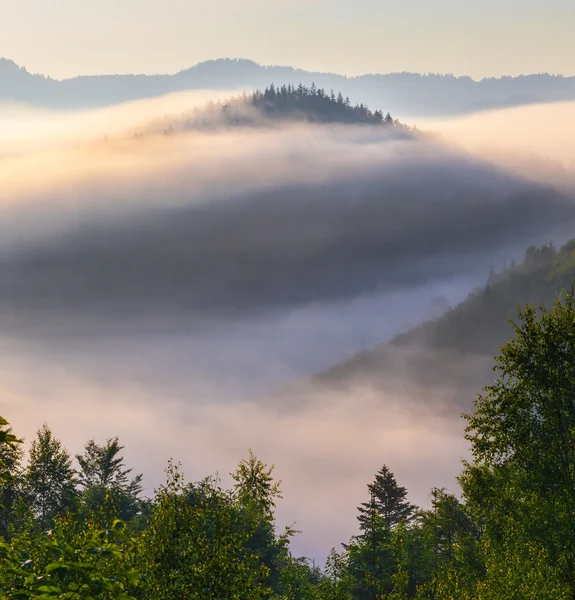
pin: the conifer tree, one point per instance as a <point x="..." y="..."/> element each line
<point x="387" y="499"/>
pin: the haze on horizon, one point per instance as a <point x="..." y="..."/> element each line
<point x="478" y="39"/>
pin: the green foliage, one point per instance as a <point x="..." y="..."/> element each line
<point x="62" y="563"/>
<point x="337" y="581"/>
<point x="400" y="579"/>
<point x="50" y="484"/>
<point x="7" y="438"/>
<point x="387" y="499"/>
<point x="450" y="562"/>
<point x="254" y="485"/>
<point x="371" y="563"/>
<point x="522" y="435"/>
<point x="479" y="324"/>
<point x="87" y="565"/>
<point x="102" y="476"/>
<point x="195" y="545"/>
<point x="299" y="581"/>
<point x="11" y="455"/>
<point x="255" y="493"/>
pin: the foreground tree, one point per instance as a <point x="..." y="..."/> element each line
<point x="370" y="561"/>
<point x="446" y="562"/>
<point x="195" y="545"/>
<point x="521" y="483"/>
<point x="11" y="455"/>
<point x="49" y="478"/>
<point x="69" y="561"/>
<point x="256" y="492"/>
<point x="104" y="477"/>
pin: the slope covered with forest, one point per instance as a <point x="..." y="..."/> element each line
<point x="457" y="348"/>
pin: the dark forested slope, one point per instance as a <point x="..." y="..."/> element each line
<point x="456" y="349"/>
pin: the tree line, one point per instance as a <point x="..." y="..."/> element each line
<point x="479" y="323"/>
<point x="85" y="531"/>
<point x="277" y="104"/>
<point x="315" y="104"/>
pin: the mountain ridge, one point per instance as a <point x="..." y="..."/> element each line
<point x="403" y="93"/>
<point x="252" y="63"/>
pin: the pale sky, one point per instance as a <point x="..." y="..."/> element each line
<point x="63" y="38"/>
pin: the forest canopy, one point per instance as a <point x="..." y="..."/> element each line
<point x="276" y="105"/>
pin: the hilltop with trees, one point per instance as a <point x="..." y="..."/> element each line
<point x="314" y="104"/>
<point x="277" y="105"/>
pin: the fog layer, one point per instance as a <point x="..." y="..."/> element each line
<point x="160" y="288"/>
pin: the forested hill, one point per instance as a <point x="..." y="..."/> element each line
<point x="314" y="104"/>
<point x="278" y="105"/>
<point x="457" y="348"/>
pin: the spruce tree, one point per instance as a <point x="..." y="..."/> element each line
<point x="387" y="499"/>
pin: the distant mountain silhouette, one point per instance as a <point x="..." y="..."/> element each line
<point x="403" y="94"/>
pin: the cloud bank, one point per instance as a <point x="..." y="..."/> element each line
<point x="224" y="226"/>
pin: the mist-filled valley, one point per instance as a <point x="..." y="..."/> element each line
<point x="323" y="286"/>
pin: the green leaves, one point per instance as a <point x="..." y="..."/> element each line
<point x="203" y="542"/>
<point x="254" y="484"/>
<point x="7" y="438"/>
<point x="105" y="482"/>
<point x="73" y="573"/>
<point x="521" y="484"/>
<point x="133" y="577"/>
<point x="49" y="478"/>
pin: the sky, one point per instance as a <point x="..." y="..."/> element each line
<point x="64" y="38"/>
